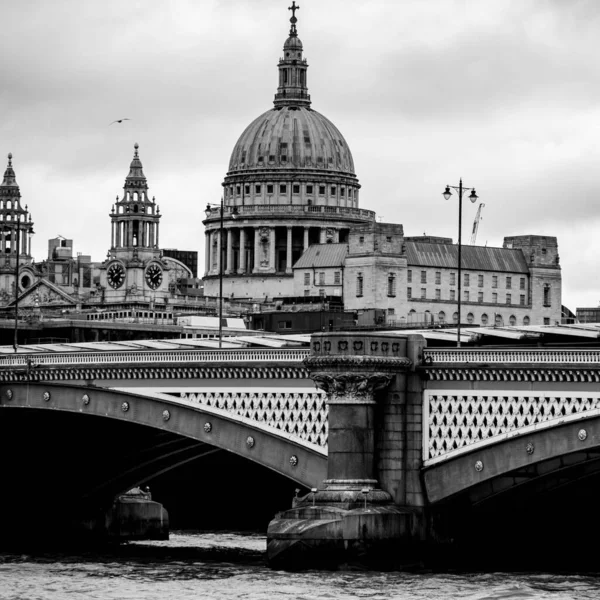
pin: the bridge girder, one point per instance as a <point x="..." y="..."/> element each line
<point x="542" y="459"/>
<point x="208" y="427"/>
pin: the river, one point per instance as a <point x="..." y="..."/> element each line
<point x="225" y="565"/>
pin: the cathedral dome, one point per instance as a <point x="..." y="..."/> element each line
<point x="292" y="137"/>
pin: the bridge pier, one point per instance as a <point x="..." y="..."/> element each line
<point x="369" y="510"/>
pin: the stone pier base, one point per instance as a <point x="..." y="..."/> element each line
<point x="338" y="535"/>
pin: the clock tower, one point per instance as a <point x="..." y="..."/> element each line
<point x="134" y="269"/>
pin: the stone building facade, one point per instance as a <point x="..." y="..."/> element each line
<point x="415" y="280"/>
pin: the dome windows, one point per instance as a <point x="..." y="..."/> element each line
<point x="296" y="189"/>
<point x="282" y="188"/>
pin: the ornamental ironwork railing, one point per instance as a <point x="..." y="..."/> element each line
<point x="511" y="356"/>
<point x="301" y="415"/>
<point x="459" y="421"/>
<point x="149" y="357"/>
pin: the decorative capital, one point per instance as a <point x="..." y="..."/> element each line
<point x="351" y="388"/>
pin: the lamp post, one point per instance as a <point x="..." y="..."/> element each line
<point x="208" y="213"/>
<point x="473" y="198"/>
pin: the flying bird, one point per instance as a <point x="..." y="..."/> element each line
<point x="119" y="121"/>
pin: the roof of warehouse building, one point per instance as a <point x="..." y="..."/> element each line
<point x="474" y="258"/>
<point x="322" y="255"/>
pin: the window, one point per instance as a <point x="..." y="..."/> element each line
<point x="438" y="294"/>
<point x="333" y="190"/>
<point x="455" y="317"/>
<point x="546" y="320"/>
<point x="522" y="299"/>
<point x="467" y="279"/>
<point x="499" y="321"/>
<point x="512" y="320"/>
<point x="271" y="158"/>
<point x="269" y="188"/>
<point x="391" y="311"/>
<point x="526" y="320"/>
<point x="495" y="297"/>
<point x="479" y="280"/>
<point x="423" y="293"/>
<point x="442" y="316"/>
<point x="306" y="278"/>
<point x="494" y="281"/>
<point x="337" y="278"/>
<point x="452" y="278"/>
<point x="284" y="324"/>
<point x="342" y="192"/>
<point x="484" y="319"/>
<point x="547" y="298"/>
<point x="470" y="318"/>
<point x="522" y="283"/>
<point x="296" y="189"/>
<point x="409" y="276"/>
<point x="359" y="285"/>
<point x="238" y="189"/>
<point x="423" y="276"/>
<point x="321" y="190"/>
<point x="282" y="188"/>
<point x="309" y="189"/>
<point x="479" y="297"/>
<point x="508" y="299"/>
<point x="438" y="278"/>
<point x="257" y="189"/>
<point x="466" y="295"/>
<point x="361" y="240"/>
<point x="321" y="278"/>
<point x="391" y="291"/>
<point x="246" y="189"/>
<point x="322" y="292"/>
<point x="409" y="293"/>
<point x="508" y="283"/>
<point x="307" y="292"/>
<point x="388" y="239"/>
<point x="452" y="294"/>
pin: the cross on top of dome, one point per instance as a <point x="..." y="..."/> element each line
<point x="293" y="20"/>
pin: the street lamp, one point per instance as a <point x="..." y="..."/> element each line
<point x="473" y="198"/>
<point x="208" y="213"/>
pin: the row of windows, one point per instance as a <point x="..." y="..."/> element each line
<point x="320" y="278"/>
<point x="467" y="296"/>
<point x="295" y="189"/>
<point x="467" y="279"/>
<point x="485" y="318"/>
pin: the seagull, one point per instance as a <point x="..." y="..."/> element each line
<point x="119" y="121"/>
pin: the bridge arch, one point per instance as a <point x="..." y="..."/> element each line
<point x="204" y="427"/>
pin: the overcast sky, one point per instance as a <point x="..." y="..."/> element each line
<point x="501" y="93"/>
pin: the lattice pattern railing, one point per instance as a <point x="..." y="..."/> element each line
<point x="302" y="415"/>
<point x="156" y="356"/>
<point x="460" y="421"/>
<point x="511" y="356"/>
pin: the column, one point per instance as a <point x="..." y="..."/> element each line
<point x="157" y="241"/>
<point x="206" y="252"/>
<point x="288" y="254"/>
<point x="322" y="235"/>
<point x="305" y="239"/>
<point x="229" y="232"/>
<point x="256" y="250"/>
<point x="336" y="236"/>
<point x="242" y="261"/>
<point x="272" y="266"/>
<point x="219" y="251"/>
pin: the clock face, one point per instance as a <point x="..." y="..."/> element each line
<point x="154" y="276"/>
<point x="115" y="275"/>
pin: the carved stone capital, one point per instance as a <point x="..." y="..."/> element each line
<point x="351" y="388"/>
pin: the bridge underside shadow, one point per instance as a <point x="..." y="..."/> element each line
<point x="61" y="468"/>
<point x="535" y="507"/>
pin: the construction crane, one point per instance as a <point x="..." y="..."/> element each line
<point x="476" y="223"/>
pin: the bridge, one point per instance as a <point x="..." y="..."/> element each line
<point x="379" y="430"/>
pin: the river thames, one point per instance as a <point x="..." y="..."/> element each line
<point x="224" y="565"/>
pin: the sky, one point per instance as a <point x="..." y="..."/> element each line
<point x="501" y="93"/>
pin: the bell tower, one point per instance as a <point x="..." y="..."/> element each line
<point x="135" y="218"/>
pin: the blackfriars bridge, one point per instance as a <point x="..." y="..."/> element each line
<point x="378" y="430"/>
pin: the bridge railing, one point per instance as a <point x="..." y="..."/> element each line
<point x="153" y="356"/>
<point x="511" y="356"/>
